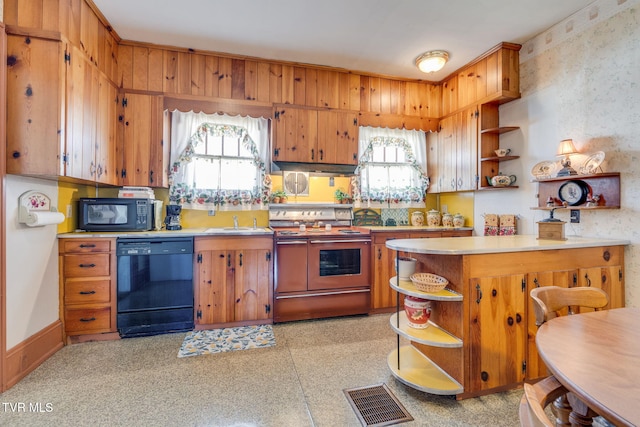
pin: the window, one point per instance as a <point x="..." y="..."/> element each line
<point x="218" y="161"/>
<point x="391" y="168"/>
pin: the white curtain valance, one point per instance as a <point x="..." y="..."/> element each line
<point x="189" y="131"/>
<point x="380" y="185"/>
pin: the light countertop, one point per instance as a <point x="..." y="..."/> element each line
<point x="195" y="232"/>
<point x="496" y="244"/>
<point x="391" y="229"/>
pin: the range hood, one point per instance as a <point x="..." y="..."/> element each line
<point x="313" y="168"/>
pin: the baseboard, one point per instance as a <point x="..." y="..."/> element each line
<point x="30" y="353"/>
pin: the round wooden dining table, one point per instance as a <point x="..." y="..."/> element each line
<point x="596" y="356"/>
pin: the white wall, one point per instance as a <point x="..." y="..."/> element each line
<point x="32" y="296"/>
<point x="580" y="79"/>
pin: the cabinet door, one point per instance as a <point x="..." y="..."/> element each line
<point x="141" y="140"/>
<point x="214" y="287"/>
<point x="296" y="135"/>
<point x="609" y="279"/>
<point x="106" y="132"/>
<point x="35" y="79"/>
<point x="382" y="295"/>
<point x="447" y="154"/>
<point x="337" y="137"/>
<point x="467" y="148"/>
<point x="82" y="111"/>
<point x="497" y="332"/>
<point x="433" y="163"/>
<point x="252" y="284"/>
<point x="563" y="278"/>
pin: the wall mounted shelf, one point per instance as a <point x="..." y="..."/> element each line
<point x="605" y="185"/>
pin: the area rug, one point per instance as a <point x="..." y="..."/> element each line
<point x="197" y="343"/>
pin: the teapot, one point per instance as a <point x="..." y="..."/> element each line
<point x="503" y="180"/>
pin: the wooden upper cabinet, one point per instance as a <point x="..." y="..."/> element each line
<point x="142" y="154"/>
<point x="337" y="137"/>
<point x="494" y="77"/>
<point x="35" y="79"/>
<point x="81" y="115"/>
<point x="315" y="136"/>
<point x="91" y="101"/>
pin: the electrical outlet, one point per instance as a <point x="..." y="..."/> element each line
<point x="332" y="181"/>
<point x="575" y="216"/>
<point x="445" y="208"/>
<point x="212" y="212"/>
<point x="69" y="211"/>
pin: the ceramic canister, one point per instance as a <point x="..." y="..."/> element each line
<point x="417" y="219"/>
<point x="433" y="218"/>
<point x="418" y="311"/>
<point x="458" y="220"/>
<point x="447" y="220"/>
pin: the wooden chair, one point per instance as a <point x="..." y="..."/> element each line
<point x="536" y="397"/>
<point x="550" y="302"/>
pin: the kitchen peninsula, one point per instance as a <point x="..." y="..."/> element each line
<point x="488" y="343"/>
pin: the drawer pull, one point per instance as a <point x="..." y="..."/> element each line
<point x="87" y="245"/>
<point x="86" y="265"/>
<point x="87" y="292"/>
<point x="90" y="319"/>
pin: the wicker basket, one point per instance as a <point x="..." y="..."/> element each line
<point x="429" y="282"/>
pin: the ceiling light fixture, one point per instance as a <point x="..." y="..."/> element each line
<point x="432" y="61"/>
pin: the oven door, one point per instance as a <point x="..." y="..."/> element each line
<point x="339" y="263"/>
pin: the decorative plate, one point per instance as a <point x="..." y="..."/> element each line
<point x="573" y="192"/>
<point x="592" y="163"/>
<point x="546" y="169"/>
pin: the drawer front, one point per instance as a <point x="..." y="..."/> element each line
<point x="86" y="246"/>
<point x="384" y="236"/>
<point x="88" y="291"/>
<point x="87" y="320"/>
<point x="89" y="265"/>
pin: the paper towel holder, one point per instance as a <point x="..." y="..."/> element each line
<point x="33" y="201"/>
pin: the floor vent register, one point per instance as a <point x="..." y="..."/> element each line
<point x="377" y="406"/>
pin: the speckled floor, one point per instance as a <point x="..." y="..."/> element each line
<point x="299" y="382"/>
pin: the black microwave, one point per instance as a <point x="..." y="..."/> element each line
<point x="115" y="214"/>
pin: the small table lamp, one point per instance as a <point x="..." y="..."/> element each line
<point x="566" y="148"/>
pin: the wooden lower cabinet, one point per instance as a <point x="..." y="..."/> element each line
<point x="88" y="291"/>
<point x="496" y="321"/>
<point x="233" y="280"/>
<point x="383" y="298"/>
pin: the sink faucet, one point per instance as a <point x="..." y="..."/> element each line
<point x="255" y="223"/>
<point x="235" y="222"/>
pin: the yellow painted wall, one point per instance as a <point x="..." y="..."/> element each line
<point x="461" y="203"/>
<point x="319" y="188"/>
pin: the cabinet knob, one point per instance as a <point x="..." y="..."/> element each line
<point x="484" y="375"/>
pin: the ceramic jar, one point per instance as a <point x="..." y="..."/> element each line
<point x="447" y="220"/>
<point x="458" y="220"/>
<point x="433" y="218"/>
<point x="418" y="311"/>
<point x="417" y="218"/>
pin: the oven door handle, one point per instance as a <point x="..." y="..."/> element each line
<point x="340" y="241"/>
<point x="292" y="242"/>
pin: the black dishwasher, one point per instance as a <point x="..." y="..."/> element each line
<point x="155" y="285"/>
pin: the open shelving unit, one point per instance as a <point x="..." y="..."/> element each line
<point x="489" y="141"/>
<point x="407" y="363"/>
